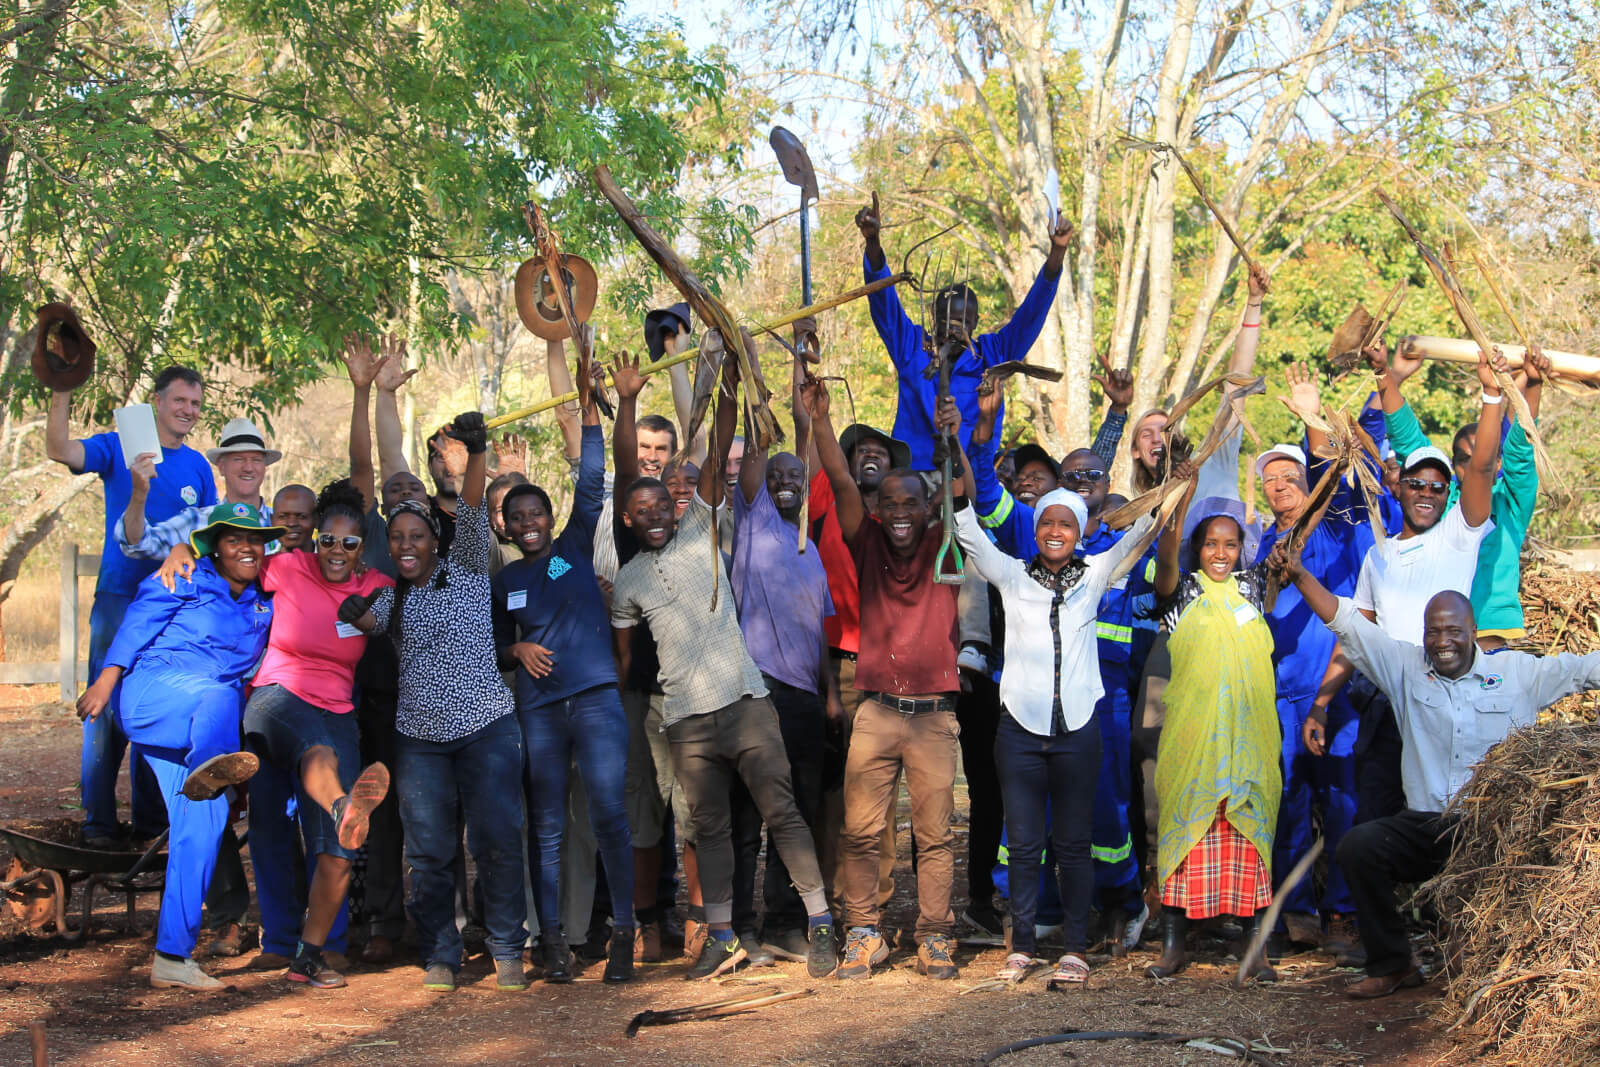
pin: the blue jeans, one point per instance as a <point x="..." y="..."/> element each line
<point x="280" y="728"/>
<point x="104" y="742"/>
<point x="1309" y="782"/>
<point x="1049" y="781"/>
<point x="591" y="727"/>
<point x="178" y="721"/>
<point x="439" y="781"/>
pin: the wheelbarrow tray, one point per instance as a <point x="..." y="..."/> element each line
<point x="55" y="856"/>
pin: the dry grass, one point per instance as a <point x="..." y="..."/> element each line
<point x="1524" y="885"/>
<point x="32" y="617"/>
<point x="1561" y="610"/>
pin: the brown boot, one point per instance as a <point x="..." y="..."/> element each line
<point x="647" y="943"/>
<point x="1174" y="954"/>
<point x="1344" y="942"/>
<point x="1374" y="986"/>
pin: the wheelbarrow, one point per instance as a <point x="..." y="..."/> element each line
<point x="57" y="867"/>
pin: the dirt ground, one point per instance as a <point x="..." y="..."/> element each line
<point x="99" y="1009"/>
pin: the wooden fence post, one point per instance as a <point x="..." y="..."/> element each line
<point x="67" y="647"/>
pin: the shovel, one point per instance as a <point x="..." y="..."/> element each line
<point x="797" y="171"/>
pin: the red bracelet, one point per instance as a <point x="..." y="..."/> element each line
<point x="1248" y="325"/>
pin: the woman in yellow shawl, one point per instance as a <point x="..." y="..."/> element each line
<point x="1217" y="777"/>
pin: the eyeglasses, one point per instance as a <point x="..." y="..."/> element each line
<point x="1090" y="476"/>
<point x="328" y="540"/>
<point x="1426" y="485"/>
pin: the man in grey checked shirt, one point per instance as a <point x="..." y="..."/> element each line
<point x="716" y="713"/>
<point x="1453" y="702"/>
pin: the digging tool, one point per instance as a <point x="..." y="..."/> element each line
<point x="796" y="164"/>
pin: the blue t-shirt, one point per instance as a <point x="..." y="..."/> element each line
<point x="555" y="600"/>
<point x="183" y="480"/>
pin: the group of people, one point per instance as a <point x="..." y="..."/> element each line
<point x="717" y="641"/>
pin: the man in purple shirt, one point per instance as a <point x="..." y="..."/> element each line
<point x="782" y="595"/>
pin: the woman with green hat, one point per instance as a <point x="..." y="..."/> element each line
<point x="181" y="658"/>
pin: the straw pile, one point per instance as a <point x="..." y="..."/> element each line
<point x="1523" y="888"/>
<point x="1561" y="611"/>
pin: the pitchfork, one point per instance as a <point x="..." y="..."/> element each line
<point x="942" y="357"/>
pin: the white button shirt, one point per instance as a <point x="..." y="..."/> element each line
<point x="1448" y="724"/>
<point x="1400" y="576"/>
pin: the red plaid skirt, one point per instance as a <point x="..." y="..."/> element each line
<point x="1222" y="875"/>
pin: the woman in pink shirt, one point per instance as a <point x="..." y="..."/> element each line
<point x="299" y="721"/>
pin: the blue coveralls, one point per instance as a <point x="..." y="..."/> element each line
<point x="1302" y="646"/>
<point x="1117" y="879"/>
<point x="186" y="655"/>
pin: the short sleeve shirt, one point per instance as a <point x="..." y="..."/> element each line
<point x="782" y="592"/>
<point x="311" y="653"/>
<point x="184" y="480"/>
<point x="1400" y="576"/>
<point x="704" y="665"/>
<point x="908" y="621"/>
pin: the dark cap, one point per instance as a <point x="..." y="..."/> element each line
<point x="855" y="433"/>
<point x="660" y="319"/>
<point x="1031" y="453"/>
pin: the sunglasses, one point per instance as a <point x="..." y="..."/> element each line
<point x="1090" y="476"/>
<point x="327" y="540"/>
<point x="1426" y="485"/>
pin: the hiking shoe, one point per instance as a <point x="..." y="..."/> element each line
<point x="1015" y="966"/>
<point x="207" y="781"/>
<point x="791" y="945"/>
<point x="509" y="976"/>
<point x="557" y="960"/>
<point x="311" y="969"/>
<point x="863" y="948"/>
<point x="378" y="950"/>
<point x="821" y="958"/>
<point x="180" y="974"/>
<point x="695" y="932"/>
<point x="718" y="957"/>
<point x="439" y="978"/>
<point x="755" y="954"/>
<point x="351" y="811"/>
<point x="1304" y="929"/>
<point x="619" y="962"/>
<point x="933" y="957"/>
<point x="985" y="919"/>
<point x="647" y="943"/>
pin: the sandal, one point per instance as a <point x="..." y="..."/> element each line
<point x="1016" y="967"/>
<point x="1070" y="970"/>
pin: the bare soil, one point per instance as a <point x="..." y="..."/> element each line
<point x="98" y="1007"/>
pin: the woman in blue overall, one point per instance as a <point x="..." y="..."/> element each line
<point x="182" y="658"/>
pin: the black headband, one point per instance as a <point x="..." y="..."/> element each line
<point x="243" y="439"/>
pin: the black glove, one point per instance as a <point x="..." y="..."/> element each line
<point x="470" y="431"/>
<point x="353" y="607"/>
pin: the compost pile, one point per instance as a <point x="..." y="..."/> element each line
<point x="1561" y="611"/>
<point x="1523" y="888"/>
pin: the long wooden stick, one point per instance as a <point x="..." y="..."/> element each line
<point x="1574" y="366"/>
<point x="731" y="1006"/>
<point x="1500" y="298"/>
<point x="1199" y="187"/>
<point x="786" y="319"/>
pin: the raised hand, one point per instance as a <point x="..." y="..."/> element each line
<point x="1303" y="391"/>
<point x="359" y="361"/>
<point x="1402" y="364"/>
<point x="625" y="375"/>
<point x="1377" y="356"/>
<point x="1259" y="283"/>
<point x="1535" y="364"/>
<point x="1062" y="231"/>
<point x="391" y="372"/>
<point x="869" y="221"/>
<point x="805" y="339"/>
<point x="1286" y="563"/>
<point x="1489" y="363"/>
<point x="1117" y="385"/>
<point x="468" y="428"/>
<point x="814" y="395"/>
<point x="511" y="454"/>
<point x="143" y="472"/>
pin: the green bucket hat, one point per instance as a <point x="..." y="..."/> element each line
<point x="230" y="516"/>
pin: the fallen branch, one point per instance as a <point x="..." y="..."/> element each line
<point x="1244" y="1051"/>
<point x="714" y="1010"/>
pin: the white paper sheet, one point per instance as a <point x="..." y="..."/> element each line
<point x="136" y="431"/>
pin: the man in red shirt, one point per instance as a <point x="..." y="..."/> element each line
<point x="906" y="673"/>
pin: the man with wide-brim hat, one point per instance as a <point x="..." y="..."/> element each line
<point x="186" y="481"/>
<point x="181" y="658"/>
<point x="242" y="457"/>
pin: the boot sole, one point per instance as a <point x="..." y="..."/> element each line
<point x="876" y="958"/>
<point x="169" y="983"/>
<point x="365" y="795"/>
<point x="207" y="781"/>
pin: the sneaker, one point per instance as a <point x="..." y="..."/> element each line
<point x="933" y="957"/>
<point x="180" y="974"/>
<point x="647" y="943"/>
<point x="718" y="957"/>
<point x="207" y="781"/>
<point x="351" y="812"/>
<point x="821" y="958"/>
<point x="619" y="962"/>
<point x="791" y="945"/>
<point x="1133" y="933"/>
<point x="755" y="954"/>
<point x="509" y="976"/>
<point x="439" y="978"/>
<point x="311" y="969"/>
<point x="1015" y="967"/>
<point x="863" y="949"/>
<point x="985" y="920"/>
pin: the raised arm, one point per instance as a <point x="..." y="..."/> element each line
<point x="712" y="486"/>
<point x="1307" y="400"/>
<point x="1477" y="480"/>
<point x="1249" y="339"/>
<point x="131" y="530"/>
<point x="1535" y="369"/>
<point x="386" y="414"/>
<point x="59" y="444"/>
<point x="683" y="395"/>
<point x="847" y="504"/>
<point x="753" y="468"/>
<point x="362" y="367"/>
<point x="1015" y="339"/>
<point x="1168" y="570"/>
<point x="625" y="431"/>
<point x="468" y="428"/>
<point x="567" y="415"/>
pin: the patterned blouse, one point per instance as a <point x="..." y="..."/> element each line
<point x="1252" y="586"/>
<point x="450" y="686"/>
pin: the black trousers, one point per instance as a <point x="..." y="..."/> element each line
<point x="384" y="898"/>
<point x="1378" y="746"/>
<point x="978" y="713"/>
<point x="1376" y="855"/>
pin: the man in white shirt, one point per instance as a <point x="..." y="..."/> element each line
<point x="1453" y="702"/>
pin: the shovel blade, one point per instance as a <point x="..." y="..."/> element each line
<point x="795" y="162"/>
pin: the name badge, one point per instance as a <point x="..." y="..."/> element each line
<point x="345" y="629"/>
<point x="1244" y="613"/>
<point x="516" y="600"/>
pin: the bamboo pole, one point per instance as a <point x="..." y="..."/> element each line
<point x="1570" y="365"/>
<point x="786" y="319"/>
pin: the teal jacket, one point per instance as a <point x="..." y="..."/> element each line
<point x="1497" y="584"/>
